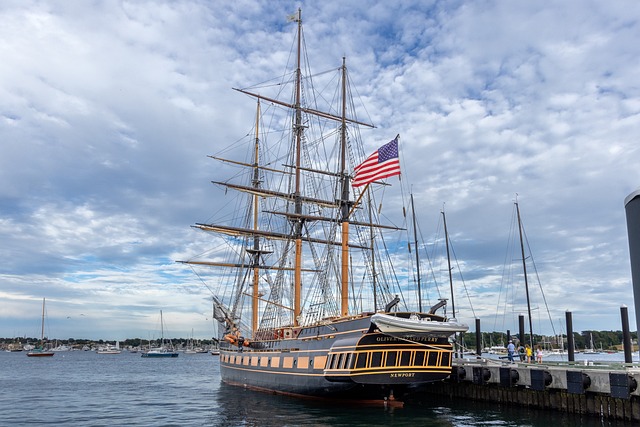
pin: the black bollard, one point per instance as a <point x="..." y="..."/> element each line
<point x="570" y="343"/>
<point x="478" y="338"/>
<point x="521" y="326"/>
<point x="626" y="335"/>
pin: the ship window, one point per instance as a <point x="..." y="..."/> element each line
<point x="351" y="360"/>
<point x="391" y="358"/>
<point x="446" y="359"/>
<point x="376" y="359"/>
<point x="362" y="361"/>
<point x="405" y="358"/>
<point x="419" y="358"/>
<point x="340" y="363"/>
<point x="333" y="361"/>
<point x="433" y="358"/>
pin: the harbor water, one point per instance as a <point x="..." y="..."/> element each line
<point x="87" y="389"/>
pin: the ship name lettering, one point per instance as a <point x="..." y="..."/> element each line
<point x="403" y="375"/>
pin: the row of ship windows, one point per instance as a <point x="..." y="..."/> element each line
<point x="388" y="358"/>
<point x="301" y="362"/>
<point x="347" y="360"/>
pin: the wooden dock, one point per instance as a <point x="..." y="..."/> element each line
<point x="609" y="390"/>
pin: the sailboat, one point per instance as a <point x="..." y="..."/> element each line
<point x="161" y="351"/>
<point x="311" y="305"/>
<point x="40" y="351"/>
<point x="592" y="348"/>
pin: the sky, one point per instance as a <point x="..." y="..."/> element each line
<point x="108" y="110"/>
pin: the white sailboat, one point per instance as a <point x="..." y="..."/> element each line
<point x="40" y="351"/>
<point x="591" y="349"/>
<point x="161" y="351"/>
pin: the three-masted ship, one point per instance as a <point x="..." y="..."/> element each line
<point x="310" y="303"/>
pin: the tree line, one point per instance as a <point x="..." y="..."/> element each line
<point x="129" y="342"/>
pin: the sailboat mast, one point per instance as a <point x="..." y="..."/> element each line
<point x="42" y="331"/>
<point x="344" y="288"/>
<point x="161" y="331"/>
<point x="298" y="128"/>
<point x="256" y="239"/>
<point x="526" y="281"/>
<point x="415" y="239"/>
<point x="446" y="239"/>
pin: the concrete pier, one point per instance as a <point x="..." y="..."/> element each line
<point x="609" y="391"/>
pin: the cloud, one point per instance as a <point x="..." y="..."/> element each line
<point x="108" y="110"/>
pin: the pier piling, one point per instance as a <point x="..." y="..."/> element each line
<point x="626" y="334"/>
<point x="570" y="343"/>
<point x="521" y="329"/>
<point x="478" y="338"/>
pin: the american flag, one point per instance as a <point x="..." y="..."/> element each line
<point x="383" y="163"/>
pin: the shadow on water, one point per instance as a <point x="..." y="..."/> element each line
<point x="236" y="406"/>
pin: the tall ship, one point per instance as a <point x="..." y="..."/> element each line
<point x="309" y="301"/>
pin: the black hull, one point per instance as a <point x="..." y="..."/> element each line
<point x="342" y="360"/>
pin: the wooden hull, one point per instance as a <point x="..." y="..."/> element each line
<point x="346" y="359"/>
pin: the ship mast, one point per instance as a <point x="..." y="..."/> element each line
<point x="344" y="199"/>
<point x="256" y="238"/>
<point x="298" y="129"/>
<point x="526" y="281"/>
<point x="42" y="331"/>
<point x="446" y="239"/>
<point x="415" y="239"/>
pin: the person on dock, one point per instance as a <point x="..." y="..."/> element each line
<point x="521" y="353"/>
<point x="511" y="349"/>
<point x="539" y="355"/>
<point x="529" y="353"/>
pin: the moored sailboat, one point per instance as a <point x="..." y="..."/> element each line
<point x="163" y="350"/>
<point x="313" y="310"/>
<point x="40" y="351"/>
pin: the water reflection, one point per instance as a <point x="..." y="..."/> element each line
<point x="236" y="406"/>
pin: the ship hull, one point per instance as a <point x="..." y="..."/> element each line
<point x="347" y="359"/>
